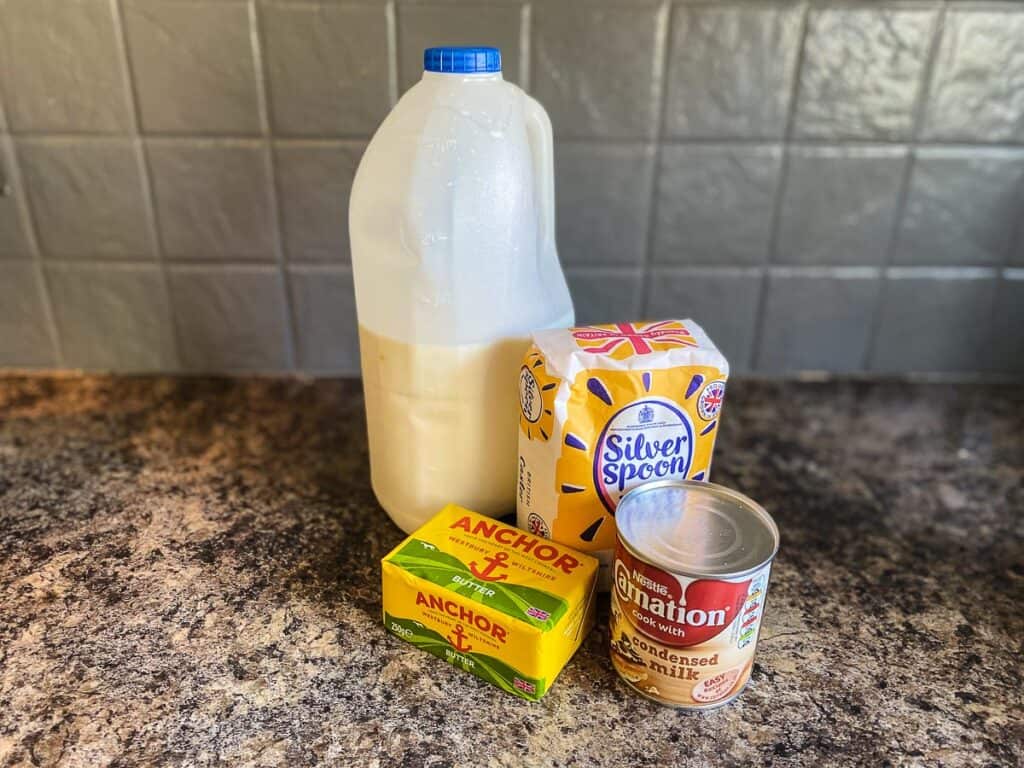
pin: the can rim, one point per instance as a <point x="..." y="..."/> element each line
<point x="712" y="489"/>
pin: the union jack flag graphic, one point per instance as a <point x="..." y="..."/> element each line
<point x="644" y="338"/>
<point x="710" y="401"/>
<point x="537" y="613"/>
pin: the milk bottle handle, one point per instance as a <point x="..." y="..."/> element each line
<point x="538" y="127"/>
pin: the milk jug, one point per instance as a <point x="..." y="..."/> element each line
<point x="453" y="255"/>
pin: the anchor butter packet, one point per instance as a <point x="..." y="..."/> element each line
<point x="604" y="408"/>
<point x="491" y="599"/>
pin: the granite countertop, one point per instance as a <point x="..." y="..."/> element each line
<point x="189" y="575"/>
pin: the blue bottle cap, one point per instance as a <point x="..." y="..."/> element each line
<point x="458" y="60"/>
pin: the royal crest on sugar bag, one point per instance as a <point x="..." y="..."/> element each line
<point x="604" y="408"/>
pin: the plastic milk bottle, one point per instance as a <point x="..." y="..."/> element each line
<point x="453" y="253"/>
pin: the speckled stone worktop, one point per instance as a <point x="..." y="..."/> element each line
<point x="189" y="575"/>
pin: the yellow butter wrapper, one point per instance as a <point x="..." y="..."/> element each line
<point x="604" y="408"/>
<point x="494" y="600"/>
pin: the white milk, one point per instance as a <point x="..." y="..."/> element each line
<point x="452" y="227"/>
<point x="439" y="418"/>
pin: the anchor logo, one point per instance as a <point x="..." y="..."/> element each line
<point x="460" y="635"/>
<point x="494" y="562"/>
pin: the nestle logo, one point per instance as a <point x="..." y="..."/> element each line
<point x="646" y="415"/>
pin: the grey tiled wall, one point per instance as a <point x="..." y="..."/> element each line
<point x="825" y="185"/>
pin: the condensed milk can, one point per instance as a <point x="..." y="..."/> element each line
<point x="689" y="581"/>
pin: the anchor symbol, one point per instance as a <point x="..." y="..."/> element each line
<point x="460" y="635"/>
<point x="494" y="562"/>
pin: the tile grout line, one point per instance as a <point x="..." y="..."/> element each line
<point x="1002" y="281"/>
<point x="977" y="146"/>
<point x="391" y="25"/>
<point x="838" y="271"/>
<point x="146" y="171"/>
<point x="663" y="54"/>
<point x="920" y="103"/>
<point x="973" y="272"/>
<point x="26" y="217"/>
<point x="761" y="311"/>
<point x="263" y="96"/>
<point x="28" y="221"/>
<point x="179" y="262"/>
<point x="1016" y="239"/>
<point x="525" y="44"/>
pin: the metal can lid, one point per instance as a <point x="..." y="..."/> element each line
<point x="696" y="529"/>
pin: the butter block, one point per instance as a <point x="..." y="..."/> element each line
<point x="494" y="600"/>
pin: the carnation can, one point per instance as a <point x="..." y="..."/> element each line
<point x="689" y="581"/>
